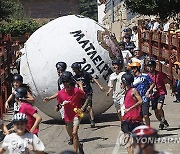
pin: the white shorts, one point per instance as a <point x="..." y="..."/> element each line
<point x="62" y="112"/>
<point x="119" y="104"/>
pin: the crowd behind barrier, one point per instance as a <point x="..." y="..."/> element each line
<point x="9" y="53"/>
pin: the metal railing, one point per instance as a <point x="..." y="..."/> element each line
<point x="8" y="50"/>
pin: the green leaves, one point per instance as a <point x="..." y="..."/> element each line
<point x="10" y="8"/>
<point x="88" y="8"/>
<point x="17" y="27"/>
<point x="163" y="8"/>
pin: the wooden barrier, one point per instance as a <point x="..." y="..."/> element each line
<point x="8" y="49"/>
<point x="162" y="46"/>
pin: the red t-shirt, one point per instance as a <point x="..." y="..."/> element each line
<point x="159" y="80"/>
<point x="75" y="96"/>
<point x="29" y="111"/>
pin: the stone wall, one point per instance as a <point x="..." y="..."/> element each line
<point x="50" y="8"/>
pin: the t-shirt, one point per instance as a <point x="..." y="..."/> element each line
<point x="142" y="84"/>
<point x="115" y="82"/>
<point x="126" y="56"/>
<point x="29" y="110"/>
<point x="75" y="96"/>
<point x="159" y="80"/>
<point x="156" y="26"/>
<point x="129" y="46"/>
<point x="166" y="27"/>
<point x="86" y="79"/>
<point x="16" y="144"/>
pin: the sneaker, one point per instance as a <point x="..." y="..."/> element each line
<point x="161" y="126"/>
<point x="81" y="151"/>
<point x="70" y="141"/>
<point x="175" y="101"/>
<point x="92" y="124"/>
<point x="166" y="123"/>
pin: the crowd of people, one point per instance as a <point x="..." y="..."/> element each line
<point x="134" y="84"/>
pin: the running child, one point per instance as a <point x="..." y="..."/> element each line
<point x="24" y="107"/>
<point x="86" y="80"/>
<point x="17" y="81"/>
<point x="159" y="78"/>
<point x="22" y="141"/>
<point x="115" y="85"/>
<point x="74" y="97"/>
<point x="132" y="102"/>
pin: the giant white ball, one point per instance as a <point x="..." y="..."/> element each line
<point x="69" y="39"/>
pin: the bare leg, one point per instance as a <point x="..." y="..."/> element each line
<point x="75" y="138"/>
<point x="147" y="120"/>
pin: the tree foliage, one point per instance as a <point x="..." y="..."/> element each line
<point x="88" y="8"/>
<point x="10" y="8"/>
<point x="162" y="8"/>
<point x="17" y="27"/>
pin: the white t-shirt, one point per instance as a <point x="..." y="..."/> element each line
<point x="135" y="39"/>
<point x="166" y="27"/>
<point x="156" y="25"/>
<point x="16" y="106"/>
<point x="16" y="144"/>
<point x="126" y="56"/>
<point x="115" y="82"/>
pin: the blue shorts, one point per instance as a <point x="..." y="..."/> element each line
<point x="155" y="101"/>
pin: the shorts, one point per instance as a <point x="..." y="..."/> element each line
<point x="145" y="109"/>
<point x="155" y="101"/>
<point x="76" y="122"/>
<point x="89" y="101"/>
<point x="118" y="102"/>
<point x="127" y="126"/>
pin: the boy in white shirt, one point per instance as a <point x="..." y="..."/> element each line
<point x="21" y="142"/>
<point x="114" y="84"/>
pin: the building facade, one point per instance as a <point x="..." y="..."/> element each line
<point x="50" y="9"/>
<point x="117" y="17"/>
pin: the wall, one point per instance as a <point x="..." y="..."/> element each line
<point x="50" y="8"/>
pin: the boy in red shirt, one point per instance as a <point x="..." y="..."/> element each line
<point x="158" y="97"/>
<point x="72" y="98"/>
<point x="24" y="107"/>
<point x="132" y="102"/>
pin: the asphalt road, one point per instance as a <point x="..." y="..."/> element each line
<point x="104" y="139"/>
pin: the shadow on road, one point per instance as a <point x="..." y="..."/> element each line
<point x="165" y="135"/>
<point x="53" y="122"/>
<point x="172" y="129"/>
<point x="93" y="139"/>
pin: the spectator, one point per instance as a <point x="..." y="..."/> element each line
<point x="129" y="45"/>
<point x="127" y="31"/>
<point x="176" y="91"/>
<point x="138" y="58"/>
<point x="166" y="26"/>
<point x="126" y="53"/>
<point x="134" y="37"/>
<point x="156" y="25"/>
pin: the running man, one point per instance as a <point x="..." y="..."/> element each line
<point x="115" y="85"/>
<point x="61" y="67"/>
<point x="86" y="79"/>
<point x="144" y="85"/>
<point x="158" y="97"/>
<point x="74" y="97"/>
<point x="132" y="102"/>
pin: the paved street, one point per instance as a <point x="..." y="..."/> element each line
<point x="104" y="138"/>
